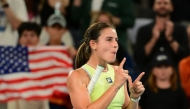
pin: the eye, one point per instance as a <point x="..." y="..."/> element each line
<point x="116" y="39"/>
<point x="109" y="39"/>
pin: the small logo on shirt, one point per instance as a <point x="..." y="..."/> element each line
<point x="109" y="80"/>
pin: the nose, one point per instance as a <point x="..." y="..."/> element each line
<point x="115" y="44"/>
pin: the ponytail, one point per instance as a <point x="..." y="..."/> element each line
<point x="82" y="56"/>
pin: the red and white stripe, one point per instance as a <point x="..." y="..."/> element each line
<point x="49" y="68"/>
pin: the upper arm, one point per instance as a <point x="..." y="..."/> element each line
<point x="19" y="9"/>
<point x="77" y="90"/>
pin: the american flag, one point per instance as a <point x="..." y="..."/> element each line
<point x="33" y="72"/>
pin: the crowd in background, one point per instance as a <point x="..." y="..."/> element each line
<point x="154" y="36"/>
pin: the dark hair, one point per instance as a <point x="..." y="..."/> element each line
<point x="30" y="26"/>
<point x="92" y="33"/>
<point x="152" y="81"/>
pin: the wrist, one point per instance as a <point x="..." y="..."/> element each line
<point x="171" y="40"/>
<point x="135" y="99"/>
<point x="117" y="86"/>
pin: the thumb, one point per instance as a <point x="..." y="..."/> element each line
<point x="130" y="82"/>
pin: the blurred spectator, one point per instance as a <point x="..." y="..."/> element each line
<point x="162" y="89"/>
<point x="83" y="11"/>
<point x="48" y="7"/>
<point x="28" y="36"/>
<point x="162" y="35"/>
<point x="56" y="33"/>
<point x="33" y="10"/>
<point x="188" y="33"/>
<point x="12" y="14"/>
<point x="184" y="72"/>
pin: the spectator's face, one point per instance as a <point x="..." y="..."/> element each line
<point x="103" y="18"/>
<point x="29" y="38"/>
<point x="162" y="7"/>
<point x="163" y="72"/>
<point x="55" y="31"/>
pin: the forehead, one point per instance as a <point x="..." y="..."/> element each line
<point x="157" y="1"/>
<point x="108" y="32"/>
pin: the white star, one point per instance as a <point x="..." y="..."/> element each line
<point x="6" y="52"/>
<point x="18" y="69"/>
<point x="11" y="61"/>
<point x="15" y="57"/>
<point x="26" y="69"/>
<point x="19" y="54"/>
<point x="24" y="63"/>
<point x="20" y="60"/>
<point x="10" y="70"/>
<point x="11" y="49"/>
<point x="2" y="55"/>
<point x="2" y="49"/>
<point x="5" y="67"/>
<point x="16" y="64"/>
<point x="11" y="55"/>
<point x="15" y="52"/>
<point x="7" y="58"/>
<point x="2" y="71"/>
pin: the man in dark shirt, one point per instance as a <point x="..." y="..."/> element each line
<point x="162" y="35"/>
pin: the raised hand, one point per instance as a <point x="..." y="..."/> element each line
<point x="136" y="88"/>
<point x="169" y="30"/>
<point x="121" y="75"/>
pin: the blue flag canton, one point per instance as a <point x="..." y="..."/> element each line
<point x="13" y="59"/>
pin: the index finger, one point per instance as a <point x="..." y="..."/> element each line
<point x="139" y="77"/>
<point x="122" y="63"/>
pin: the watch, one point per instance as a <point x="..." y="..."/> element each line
<point x="136" y="100"/>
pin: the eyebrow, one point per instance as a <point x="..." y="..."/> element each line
<point x="111" y="37"/>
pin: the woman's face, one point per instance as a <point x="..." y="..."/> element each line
<point x="107" y="46"/>
<point x="162" y="72"/>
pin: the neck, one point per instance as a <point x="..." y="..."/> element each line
<point x="55" y="42"/>
<point x="94" y="61"/>
<point x="163" y="84"/>
<point x="159" y="18"/>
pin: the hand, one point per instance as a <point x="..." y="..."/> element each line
<point x="136" y="88"/>
<point x="156" y="32"/>
<point x="121" y="75"/>
<point x="3" y="1"/>
<point x="169" y="30"/>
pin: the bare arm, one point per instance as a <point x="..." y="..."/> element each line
<point x="149" y="46"/>
<point x="80" y="97"/>
<point x="77" y="82"/>
<point x="14" y="21"/>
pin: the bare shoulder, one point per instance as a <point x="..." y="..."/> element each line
<point x="77" y="76"/>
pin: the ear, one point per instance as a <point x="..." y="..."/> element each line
<point x="93" y="44"/>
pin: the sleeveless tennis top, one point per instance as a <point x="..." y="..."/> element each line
<point x="105" y="80"/>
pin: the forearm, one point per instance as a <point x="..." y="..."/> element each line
<point x="132" y="105"/>
<point x="149" y="46"/>
<point x="14" y="21"/>
<point x="104" y="101"/>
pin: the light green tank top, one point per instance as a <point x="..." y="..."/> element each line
<point x="105" y="80"/>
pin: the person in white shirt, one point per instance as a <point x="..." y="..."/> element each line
<point x="12" y="14"/>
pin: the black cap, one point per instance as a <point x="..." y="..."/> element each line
<point x="161" y="59"/>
